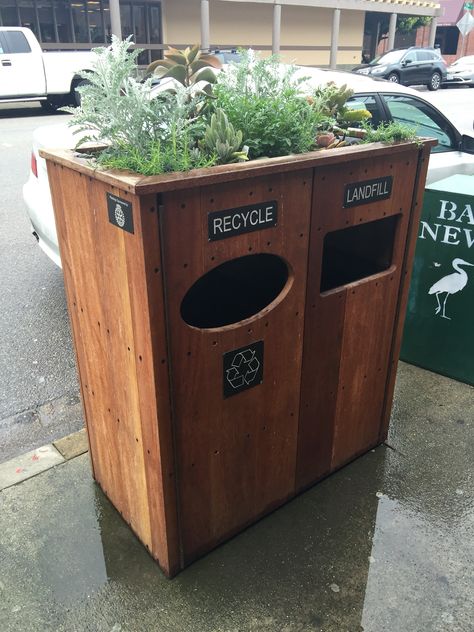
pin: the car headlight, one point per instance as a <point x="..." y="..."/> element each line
<point x="379" y="70"/>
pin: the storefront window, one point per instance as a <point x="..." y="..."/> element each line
<point x="9" y="15"/>
<point x="28" y="16"/>
<point x="85" y="21"/>
<point x="46" y="21"/>
<point x="62" y="13"/>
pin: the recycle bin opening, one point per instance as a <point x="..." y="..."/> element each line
<point x="357" y="252"/>
<point x="235" y="290"/>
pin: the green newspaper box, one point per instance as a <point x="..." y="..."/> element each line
<point x="439" y="325"/>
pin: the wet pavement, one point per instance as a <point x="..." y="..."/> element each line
<point x="384" y="545"/>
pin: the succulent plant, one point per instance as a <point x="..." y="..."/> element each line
<point x="354" y="116"/>
<point x="223" y="140"/>
<point x="188" y="67"/>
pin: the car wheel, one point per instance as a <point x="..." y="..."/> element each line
<point x="435" y="81"/>
<point x="393" y="77"/>
<point x="76" y="95"/>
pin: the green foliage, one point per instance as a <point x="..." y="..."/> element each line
<point x="159" y="157"/>
<point x="331" y="100"/>
<point x="393" y="132"/>
<point x="407" y="23"/>
<point x="142" y="134"/>
<point x="259" y="109"/>
<point x="263" y="99"/>
<point x="223" y="140"/>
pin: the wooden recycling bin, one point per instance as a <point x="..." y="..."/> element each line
<point x="236" y="328"/>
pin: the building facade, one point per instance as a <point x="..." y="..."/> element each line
<point x="448" y="37"/>
<point x="82" y="24"/>
<point x="313" y="32"/>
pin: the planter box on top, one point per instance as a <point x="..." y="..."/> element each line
<point x="236" y="328"/>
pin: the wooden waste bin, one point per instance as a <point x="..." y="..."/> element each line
<point x="236" y="328"/>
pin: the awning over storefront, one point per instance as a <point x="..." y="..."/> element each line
<point x="408" y="7"/>
<point x="451" y="11"/>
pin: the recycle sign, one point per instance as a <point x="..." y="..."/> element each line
<point x="243" y="368"/>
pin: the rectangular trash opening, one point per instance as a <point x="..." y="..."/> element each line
<point x="354" y="253"/>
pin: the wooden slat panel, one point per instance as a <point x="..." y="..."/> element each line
<point x="319" y="386"/>
<point x="236" y="456"/>
<point x="348" y="330"/>
<point x="412" y="234"/>
<point x="109" y="298"/>
<point x="368" y="325"/>
<point x="145" y="276"/>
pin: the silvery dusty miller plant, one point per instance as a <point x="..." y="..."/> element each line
<point x="144" y="134"/>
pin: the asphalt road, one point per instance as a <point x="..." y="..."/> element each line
<point x="39" y="395"/>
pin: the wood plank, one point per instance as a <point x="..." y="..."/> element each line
<point x="236" y="456"/>
<point x="348" y="329"/>
<point x="319" y="383"/>
<point x="107" y="299"/>
<point x="409" y="254"/>
<point x="146" y="277"/>
<point x="368" y="325"/>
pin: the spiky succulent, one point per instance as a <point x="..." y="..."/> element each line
<point x="223" y="140"/>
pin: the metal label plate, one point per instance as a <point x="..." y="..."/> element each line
<point x="120" y="213"/>
<point x="367" y="191"/>
<point x="245" y="219"/>
<point x="243" y="368"/>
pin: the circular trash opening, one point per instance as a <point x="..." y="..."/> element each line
<point x="235" y="290"/>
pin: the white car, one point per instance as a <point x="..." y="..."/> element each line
<point x="461" y="72"/>
<point x="386" y="101"/>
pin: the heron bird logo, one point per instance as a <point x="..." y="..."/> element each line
<point x="450" y="284"/>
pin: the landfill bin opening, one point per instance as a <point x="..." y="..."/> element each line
<point x="235" y="290"/>
<point x="357" y="252"/>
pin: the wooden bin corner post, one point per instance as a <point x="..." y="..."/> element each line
<point x="111" y="259"/>
<point x="235" y="328"/>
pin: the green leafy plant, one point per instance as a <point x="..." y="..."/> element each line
<point x="331" y="100"/>
<point x="223" y="140"/>
<point x="392" y="132"/>
<point x="259" y="108"/>
<point x="141" y="133"/>
<point x="264" y="100"/>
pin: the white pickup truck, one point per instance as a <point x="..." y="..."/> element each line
<point x="28" y="74"/>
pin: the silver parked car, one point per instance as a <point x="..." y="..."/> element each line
<point x="461" y="72"/>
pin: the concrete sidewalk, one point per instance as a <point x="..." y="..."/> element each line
<point x="384" y="545"/>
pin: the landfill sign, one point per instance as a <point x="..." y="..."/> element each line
<point x="465" y="24"/>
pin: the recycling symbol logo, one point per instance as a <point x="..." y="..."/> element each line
<point x="119" y="216"/>
<point x="243" y="369"/>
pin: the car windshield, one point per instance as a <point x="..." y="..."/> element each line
<point x="389" y="58"/>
